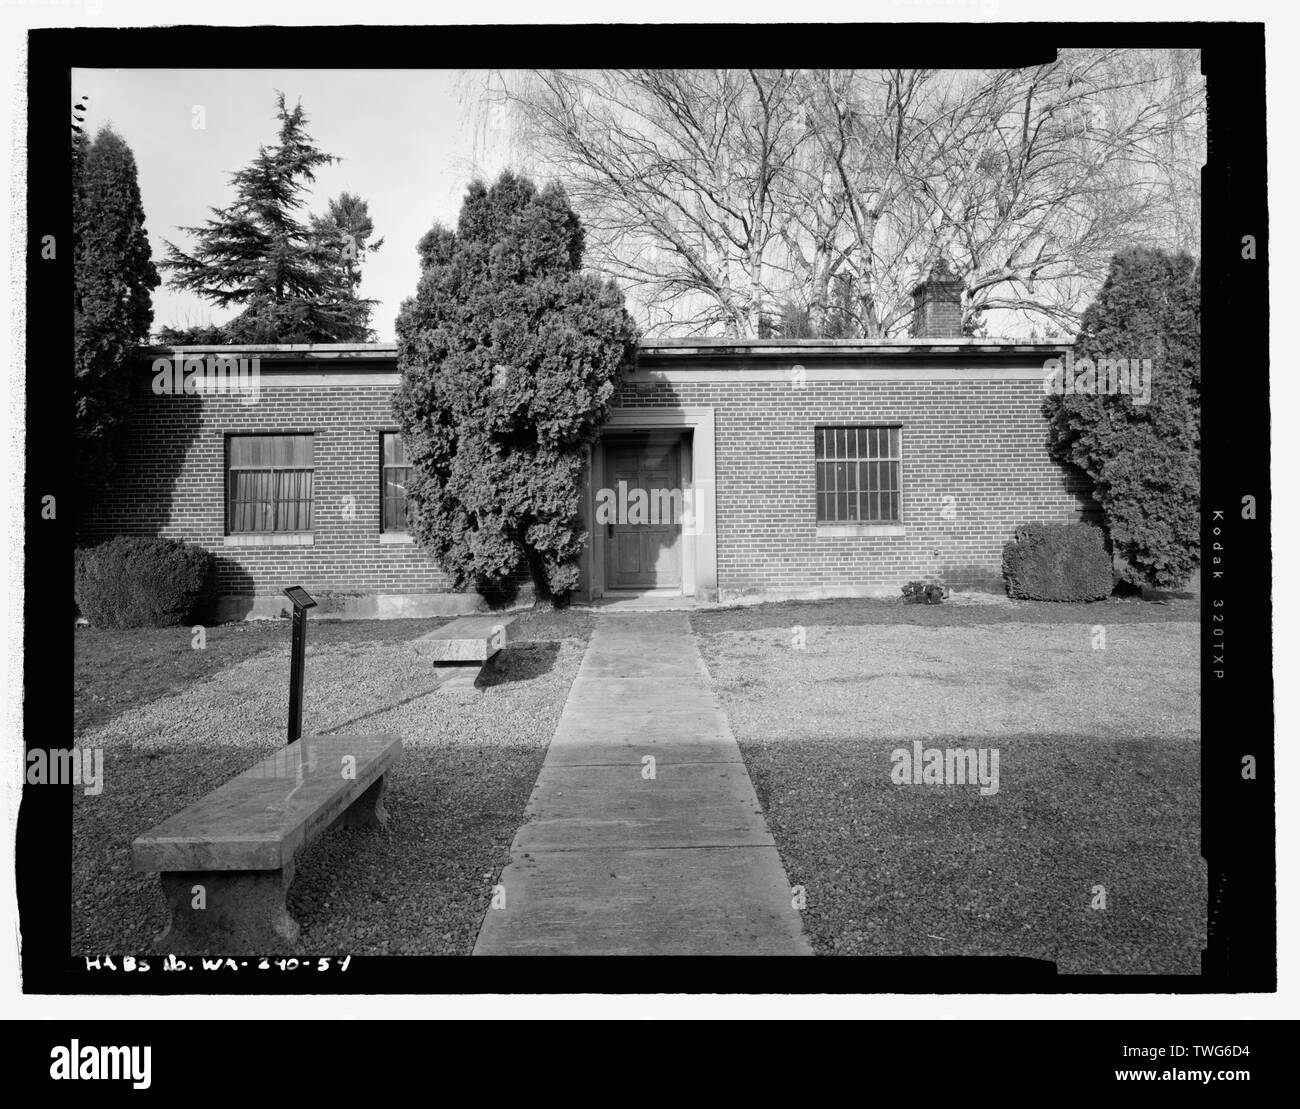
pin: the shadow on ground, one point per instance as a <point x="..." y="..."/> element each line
<point x="519" y="662"/>
<point x="455" y="798"/>
<point x="1087" y="855"/>
<point x="420" y="886"/>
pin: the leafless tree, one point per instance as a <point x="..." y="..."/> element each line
<point x="722" y="199"/>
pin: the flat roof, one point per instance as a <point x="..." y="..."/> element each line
<point x="664" y="348"/>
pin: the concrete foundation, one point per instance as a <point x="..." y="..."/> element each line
<point x="352" y="606"/>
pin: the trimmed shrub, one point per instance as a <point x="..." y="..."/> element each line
<point x="1058" y="562"/>
<point x="143" y="583"/>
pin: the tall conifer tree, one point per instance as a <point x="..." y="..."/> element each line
<point x="256" y="253"/>
<point x="1142" y="453"/>
<point x="113" y="279"/>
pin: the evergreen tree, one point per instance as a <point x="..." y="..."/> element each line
<point x="256" y="252"/>
<point x="342" y="235"/>
<point x="509" y="357"/>
<point x="113" y="279"/>
<point x="1143" y="458"/>
<point x="797" y="321"/>
<point x="199" y="335"/>
<point x="78" y="134"/>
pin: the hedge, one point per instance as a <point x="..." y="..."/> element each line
<point x="132" y="583"/>
<point x="1058" y="562"/>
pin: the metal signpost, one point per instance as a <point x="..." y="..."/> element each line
<point x="302" y="601"/>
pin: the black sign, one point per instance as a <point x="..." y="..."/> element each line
<point x="299" y="596"/>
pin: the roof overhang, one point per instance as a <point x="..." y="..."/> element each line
<point x="680" y="354"/>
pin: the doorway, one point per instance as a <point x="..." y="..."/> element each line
<point x="690" y="429"/>
<point x="642" y="511"/>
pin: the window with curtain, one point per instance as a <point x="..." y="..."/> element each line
<point x="269" y="483"/>
<point x="858" y="475"/>
<point x="394" y="477"/>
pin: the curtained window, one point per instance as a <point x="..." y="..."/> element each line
<point x="269" y="483"/>
<point x="394" y="477"/>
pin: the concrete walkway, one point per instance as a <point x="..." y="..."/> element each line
<point x="611" y="861"/>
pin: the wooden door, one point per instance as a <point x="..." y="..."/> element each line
<point x="644" y="555"/>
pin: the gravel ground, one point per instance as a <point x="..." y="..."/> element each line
<point x="118" y="669"/>
<point x="1099" y="784"/>
<point x="455" y="799"/>
<point x="960" y="611"/>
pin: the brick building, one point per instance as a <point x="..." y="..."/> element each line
<point x="780" y="469"/>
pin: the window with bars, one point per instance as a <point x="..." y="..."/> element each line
<point x="394" y="477"/>
<point x="269" y="483"/>
<point x="858" y="475"/>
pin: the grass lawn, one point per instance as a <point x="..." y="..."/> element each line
<point x="175" y="723"/>
<point x="1099" y="775"/>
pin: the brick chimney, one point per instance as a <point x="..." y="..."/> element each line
<point x="936" y="304"/>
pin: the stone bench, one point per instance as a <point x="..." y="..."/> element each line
<point x="462" y="648"/>
<point x="226" y="862"/>
<point x="467" y="639"/>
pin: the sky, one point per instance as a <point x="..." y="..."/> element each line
<point x="407" y="140"/>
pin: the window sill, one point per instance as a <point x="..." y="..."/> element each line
<point x="271" y="539"/>
<point x="826" y="531"/>
<point x="396" y="538"/>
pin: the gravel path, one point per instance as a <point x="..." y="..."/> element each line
<point x="455" y="799"/>
<point x="1099" y="785"/>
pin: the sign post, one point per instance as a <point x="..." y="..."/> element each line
<point x="302" y="601"/>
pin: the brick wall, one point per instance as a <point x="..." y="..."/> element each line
<point x="981" y="442"/>
<point x="171" y="484"/>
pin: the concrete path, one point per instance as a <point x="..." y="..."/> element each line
<point x="611" y="861"/>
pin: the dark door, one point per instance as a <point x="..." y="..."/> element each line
<point x="644" y="555"/>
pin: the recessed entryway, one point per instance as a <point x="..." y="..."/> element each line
<point x="649" y="508"/>
<point x="643" y="494"/>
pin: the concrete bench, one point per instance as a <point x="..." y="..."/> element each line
<point x="467" y="639"/>
<point x="226" y="862"/>
<point x="462" y="648"/>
